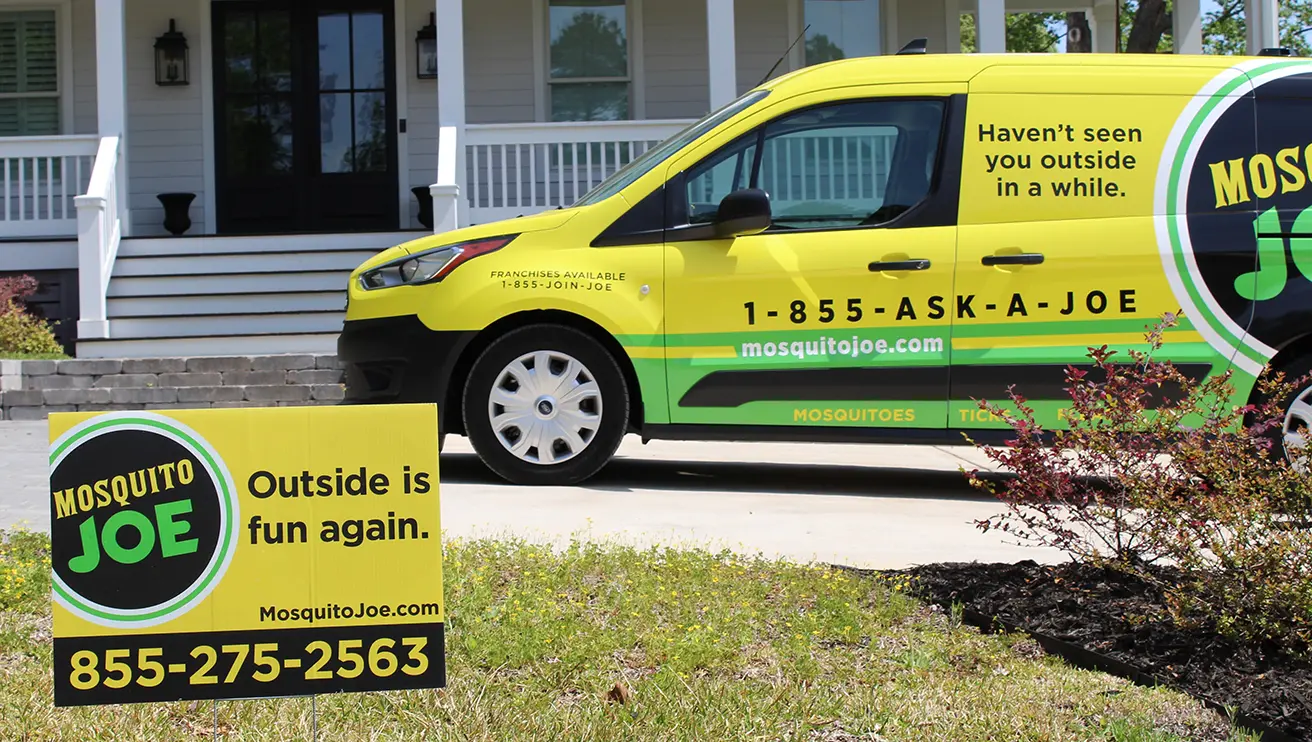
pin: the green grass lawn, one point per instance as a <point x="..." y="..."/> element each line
<point x="710" y="647"/>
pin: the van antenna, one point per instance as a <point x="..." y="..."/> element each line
<point x="785" y="56"/>
<point x="915" y="46"/>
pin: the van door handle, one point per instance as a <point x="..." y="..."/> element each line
<point x="918" y="264"/>
<point x="1028" y="258"/>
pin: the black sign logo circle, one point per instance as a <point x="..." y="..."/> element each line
<point x="138" y="521"/>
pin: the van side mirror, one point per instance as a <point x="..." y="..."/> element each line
<point x="744" y="212"/>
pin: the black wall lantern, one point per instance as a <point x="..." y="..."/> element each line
<point x="171" y="58"/>
<point x="426" y="50"/>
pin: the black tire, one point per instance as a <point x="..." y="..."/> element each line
<point x="599" y="445"/>
<point x="1295" y="369"/>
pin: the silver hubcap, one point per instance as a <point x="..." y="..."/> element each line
<point x="1298" y="430"/>
<point x="545" y="407"/>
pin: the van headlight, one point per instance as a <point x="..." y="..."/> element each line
<point x="429" y="266"/>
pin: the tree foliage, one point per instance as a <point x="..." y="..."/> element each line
<point x="1146" y="28"/>
<point x="1026" y="32"/>
<point x="1224" y="29"/>
<point x="592" y="45"/>
<point x="820" y="49"/>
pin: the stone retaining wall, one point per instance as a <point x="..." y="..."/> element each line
<point x="29" y="390"/>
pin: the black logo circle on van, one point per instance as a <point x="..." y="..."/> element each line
<point x="1247" y="188"/>
<point x="1234" y="190"/>
<point x="142" y="519"/>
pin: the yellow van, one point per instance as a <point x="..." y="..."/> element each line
<point x="857" y="251"/>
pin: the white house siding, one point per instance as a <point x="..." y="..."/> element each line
<point x="498" y="61"/>
<point x="165" y="125"/>
<point x="675" y="58"/>
<point x="761" y="37"/>
<point x="84" y="66"/>
<point x="421" y="107"/>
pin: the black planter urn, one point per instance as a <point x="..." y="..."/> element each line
<point x="425" y="198"/>
<point x="177" y="211"/>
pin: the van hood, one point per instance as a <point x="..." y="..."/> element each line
<point x="534" y="223"/>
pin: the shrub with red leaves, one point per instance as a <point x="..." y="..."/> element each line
<point x="14" y="290"/>
<point x="1157" y="468"/>
<point x="20" y="332"/>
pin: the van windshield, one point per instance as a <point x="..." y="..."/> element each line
<point x="648" y="160"/>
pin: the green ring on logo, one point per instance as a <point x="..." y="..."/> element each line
<point x="223" y="554"/>
<point x="1200" y="294"/>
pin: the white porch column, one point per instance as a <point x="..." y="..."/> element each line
<point x="1263" y="24"/>
<point x="1104" y="27"/>
<point x="722" y="59"/>
<point x="991" y="26"/>
<point x="111" y="91"/>
<point x="448" y="191"/>
<point x="1187" y="26"/>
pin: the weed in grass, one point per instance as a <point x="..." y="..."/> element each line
<point x="24" y="571"/>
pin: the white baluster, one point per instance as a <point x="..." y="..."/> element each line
<point x="22" y="189"/>
<point x="519" y="175"/>
<point x="587" y="155"/>
<point x="474" y="186"/>
<point x="505" y="178"/>
<point x="574" y="167"/>
<point x="533" y="175"/>
<point x="560" y="174"/>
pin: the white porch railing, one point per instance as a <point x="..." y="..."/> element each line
<point x="840" y="168"/>
<point x="100" y="226"/>
<point x="39" y="179"/>
<point x="519" y="169"/>
<point x="834" y="167"/>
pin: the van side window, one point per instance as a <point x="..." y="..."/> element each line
<point x="722" y="173"/>
<point x="857" y="163"/>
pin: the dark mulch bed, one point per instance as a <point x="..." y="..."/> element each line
<point x="1086" y="607"/>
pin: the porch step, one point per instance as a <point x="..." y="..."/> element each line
<point x="183" y="305"/>
<point x="130" y="328"/>
<point x="302" y="243"/>
<point x="216" y="345"/>
<point x="237" y="264"/>
<point x="211" y="296"/>
<point x="233" y="284"/>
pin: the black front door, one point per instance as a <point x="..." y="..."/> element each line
<point x="306" y="109"/>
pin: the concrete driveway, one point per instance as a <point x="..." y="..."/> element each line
<point x="872" y="506"/>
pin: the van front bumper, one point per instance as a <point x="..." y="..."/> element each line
<point x="398" y="360"/>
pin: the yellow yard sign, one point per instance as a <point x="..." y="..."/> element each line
<point x="245" y="553"/>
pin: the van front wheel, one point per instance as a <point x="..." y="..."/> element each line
<point x="545" y="404"/>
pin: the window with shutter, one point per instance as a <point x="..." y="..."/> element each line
<point x="29" y="73"/>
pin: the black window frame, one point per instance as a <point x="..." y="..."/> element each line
<point x="662" y="216"/>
